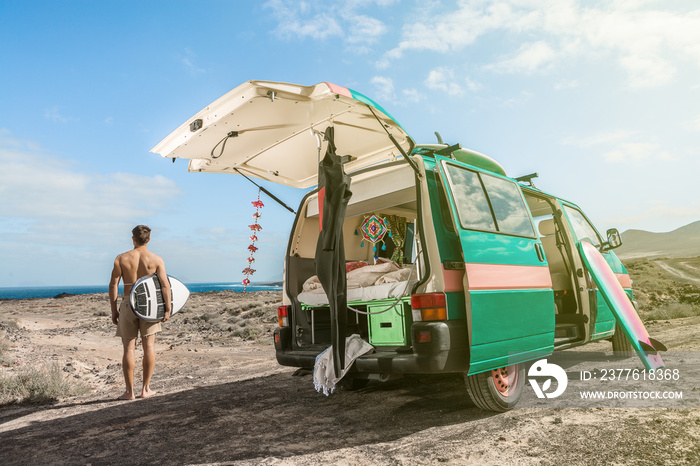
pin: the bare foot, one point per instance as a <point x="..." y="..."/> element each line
<point x="146" y="393"/>
<point x="126" y="396"/>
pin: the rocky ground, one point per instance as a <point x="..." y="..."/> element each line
<point x="223" y="399"/>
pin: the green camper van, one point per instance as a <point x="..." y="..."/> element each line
<point x="430" y="253"/>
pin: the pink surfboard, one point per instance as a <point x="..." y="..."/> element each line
<point x="621" y="306"/>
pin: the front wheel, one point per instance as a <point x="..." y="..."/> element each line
<point x="497" y="390"/>
<point x="620" y="343"/>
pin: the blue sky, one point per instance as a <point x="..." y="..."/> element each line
<point x="601" y="98"/>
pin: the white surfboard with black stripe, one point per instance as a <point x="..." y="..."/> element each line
<point x="146" y="298"/>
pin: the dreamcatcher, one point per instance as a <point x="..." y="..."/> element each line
<point x="373" y="229"/>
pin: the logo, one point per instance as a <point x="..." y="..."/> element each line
<point x="542" y="369"/>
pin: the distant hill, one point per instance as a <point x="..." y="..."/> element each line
<point x="682" y="242"/>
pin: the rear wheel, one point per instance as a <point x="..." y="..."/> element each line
<point x="353" y="383"/>
<point x="497" y="390"/>
<point x="620" y="343"/>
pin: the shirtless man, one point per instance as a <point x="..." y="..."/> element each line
<point x="131" y="266"/>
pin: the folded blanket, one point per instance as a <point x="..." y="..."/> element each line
<point x="324" y="375"/>
<point x="395" y="276"/>
<point x="366" y="276"/>
<point x="312" y="284"/>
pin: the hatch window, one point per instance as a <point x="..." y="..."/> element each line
<point x="489" y="203"/>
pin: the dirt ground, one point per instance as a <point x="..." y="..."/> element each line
<point x="223" y="399"/>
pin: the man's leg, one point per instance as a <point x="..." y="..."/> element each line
<point x="128" y="367"/>
<point x="149" y="361"/>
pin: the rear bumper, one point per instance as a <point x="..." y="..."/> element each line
<point x="446" y="352"/>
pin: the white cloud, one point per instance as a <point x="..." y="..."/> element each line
<point x="622" y="146"/>
<point x="601" y="138"/>
<point x="53" y="114"/>
<point x="412" y="95"/>
<point x="442" y="79"/>
<point x="528" y="59"/>
<point x="693" y="125"/>
<point x="188" y="58"/>
<point x="644" y="40"/>
<point x="384" y="87"/>
<point x="571" y="84"/>
<point x="363" y="31"/>
<point x="631" y="152"/>
<point x="55" y="200"/>
<point x="318" y="21"/>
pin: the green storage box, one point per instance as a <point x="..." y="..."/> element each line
<point x="390" y="328"/>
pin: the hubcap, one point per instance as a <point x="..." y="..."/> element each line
<point x="505" y="379"/>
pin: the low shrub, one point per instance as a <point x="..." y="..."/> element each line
<point x="671" y="311"/>
<point x="34" y="385"/>
<point x="5" y="359"/>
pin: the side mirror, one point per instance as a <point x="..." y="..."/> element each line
<point x="614" y="239"/>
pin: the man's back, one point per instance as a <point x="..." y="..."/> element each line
<point x="137" y="263"/>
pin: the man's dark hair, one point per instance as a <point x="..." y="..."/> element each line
<point x="141" y="234"/>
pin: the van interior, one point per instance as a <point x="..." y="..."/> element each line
<point x="378" y="310"/>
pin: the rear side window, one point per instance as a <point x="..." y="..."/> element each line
<point x="489" y="203"/>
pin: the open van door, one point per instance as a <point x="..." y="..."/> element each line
<point x="618" y="301"/>
<point x="508" y="288"/>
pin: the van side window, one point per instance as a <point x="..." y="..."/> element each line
<point x="489" y="203"/>
<point x="512" y="215"/>
<point x="583" y="230"/>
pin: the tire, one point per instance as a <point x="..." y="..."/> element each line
<point x="497" y="390"/>
<point x="620" y="343"/>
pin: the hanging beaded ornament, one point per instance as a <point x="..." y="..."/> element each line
<point x="255" y="227"/>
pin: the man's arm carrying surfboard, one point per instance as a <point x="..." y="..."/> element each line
<point x="164" y="288"/>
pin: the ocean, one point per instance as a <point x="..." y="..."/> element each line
<point x="27" y="292"/>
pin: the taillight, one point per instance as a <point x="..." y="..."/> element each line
<point x="282" y="316"/>
<point x="432" y="306"/>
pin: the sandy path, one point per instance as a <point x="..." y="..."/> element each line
<point x="677" y="272"/>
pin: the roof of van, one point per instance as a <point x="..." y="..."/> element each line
<point x="468" y="156"/>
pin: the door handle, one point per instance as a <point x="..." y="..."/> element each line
<point x="540" y="252"/>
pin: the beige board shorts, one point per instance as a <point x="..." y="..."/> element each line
<point x="129" y="326"/>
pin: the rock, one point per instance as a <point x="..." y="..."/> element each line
<point x="63" y="295"/>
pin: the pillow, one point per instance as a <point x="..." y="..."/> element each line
<point x="350" y="266"/>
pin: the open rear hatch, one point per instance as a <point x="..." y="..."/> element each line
<point x="273" y="131"/>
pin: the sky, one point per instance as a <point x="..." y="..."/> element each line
<point x="601" y="98"/>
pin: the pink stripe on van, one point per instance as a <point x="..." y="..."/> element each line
<point x="453" y="279"/>
<point x="507" y="277"/>
<point x="624" y="280"/>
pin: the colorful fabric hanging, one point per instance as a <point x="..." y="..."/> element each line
<point x="255" y="227"/>
<point x="398" y="236"/>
